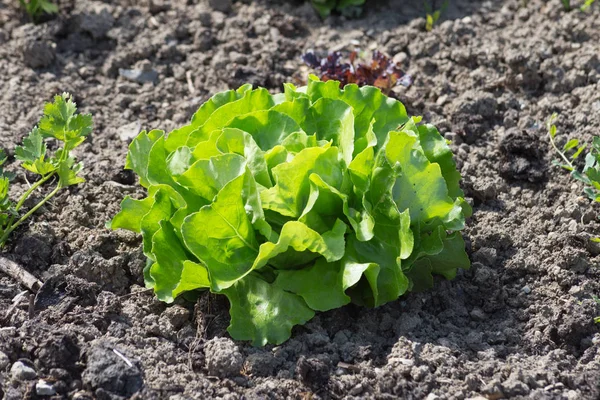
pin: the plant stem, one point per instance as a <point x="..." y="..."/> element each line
<point x="560" y="152"/>
<point x="31" y="189"/>
<point x="25" y="196"/>
<point x="29" y="213"/>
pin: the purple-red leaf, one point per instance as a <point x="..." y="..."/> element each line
<point x="381" y="71"/>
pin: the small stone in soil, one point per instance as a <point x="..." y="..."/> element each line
<point x="21" y="372"/>
<point x="129" y="131"/>
<point x="43" y="388"/>
<point x="138" y="75"/>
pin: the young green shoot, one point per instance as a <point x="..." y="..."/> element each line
<point x="35" y="8"/>
<point x="586" y="5"/>
<point x="61" y="123"/>
<point x="433" y="14"/>
<point x="348" y="8"/>
<point x="590" y="174"/>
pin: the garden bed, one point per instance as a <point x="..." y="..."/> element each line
<point x="520" y="322"/>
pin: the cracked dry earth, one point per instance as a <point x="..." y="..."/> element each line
<point x="518" y="324"/>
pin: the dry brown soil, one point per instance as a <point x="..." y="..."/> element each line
<point x="518" y="324"/>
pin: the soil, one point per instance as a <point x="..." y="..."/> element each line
<point x="518" y="324"/>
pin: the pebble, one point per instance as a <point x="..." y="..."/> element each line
<point x="400" y="57"/>
<point x="575" y="290"/>
<point x="139" y="75"/>
<point x="526" y="289"/>
<point x="21" y="372"/>
<point x="129" y="131"/>
<point x="443" y="99"/>
<point x="43" y="388"/>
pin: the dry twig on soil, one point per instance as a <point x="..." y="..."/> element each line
<point x="19" y="274"/>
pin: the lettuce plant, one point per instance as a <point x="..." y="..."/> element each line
<point x="298" y="202"/>
<point x="381" y="71"/>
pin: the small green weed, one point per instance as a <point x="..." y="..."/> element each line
<point x="349" y="8"/>
<point x="597" y="300"/>
<point x="433" y="13"/>
<point x="584" y="7"/>
<point x="61" y="123"/>
<point x="590" y="173"/>
<point x="35" y="8"/>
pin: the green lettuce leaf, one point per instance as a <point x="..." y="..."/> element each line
<point x="229" y="248"/>
<point x="290" y="194"/>
<point x="264" y="313"/>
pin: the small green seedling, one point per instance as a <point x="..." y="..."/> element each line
<point x="349" y="8"/>
<point x="35" y="8"/>
<point x="597" y="300"/>
<point x="61" y="123"/>
<point x="590" y="174"/>
<point x="584" y="7"/>
<point x="433" y="14"/>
